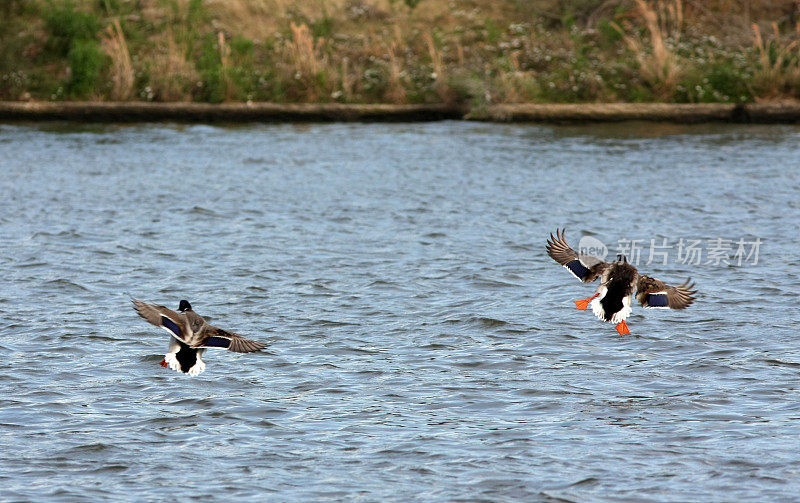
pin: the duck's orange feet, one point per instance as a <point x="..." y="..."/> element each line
<point x="584" y="303"/>
<point x="622" y="328"/>
<point x="163" y="363"/>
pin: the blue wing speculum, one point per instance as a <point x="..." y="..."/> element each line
<point x="577" y="268"/>
<point x="657" y="300"/>
<point x="217" y="342"/>
<point x="172" y="327"/>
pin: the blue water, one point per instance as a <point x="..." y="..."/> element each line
<point x="422" y="346"/>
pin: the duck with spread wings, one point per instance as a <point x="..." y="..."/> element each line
<point x="191" y="336"/>
<point x="619" y="281"/>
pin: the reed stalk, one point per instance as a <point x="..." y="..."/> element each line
<point x="659" y="66"/>
<point x="122" y="74"/>
<point x="778" y="68"/>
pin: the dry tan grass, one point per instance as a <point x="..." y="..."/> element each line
<point x="396" y="91"/>
<point x="157" y="12"/>
<point x="306" y="58"/>
<point x="439" y="69"/>
<point x="224" y="59"/>
<point x="255" y="19"/>
<point x="778" y="64"/>
<point x="302" y="50"/>
<point x="172" y="77"/>
<point x="346" y="80"/>
<point x="263" y="19"/>
<point x="658" y="65"/>
<point x="122" y="75"/>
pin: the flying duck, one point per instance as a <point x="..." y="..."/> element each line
<point x="618" y="282"/>
<point x="191" y="336"/>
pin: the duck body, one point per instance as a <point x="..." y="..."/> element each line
<point x="190" y="336"/>
<point x="617" y="285"/>
<point x="184" y="358"/>
<point x="619" y="282"/>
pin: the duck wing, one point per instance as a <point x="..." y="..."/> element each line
<point x="651" y="292"/>
<point x="169" y="320"/>
<point x="584" y="267"/>
<point x="213" y="337"/>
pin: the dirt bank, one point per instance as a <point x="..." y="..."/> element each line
<point x="270" y="112"/>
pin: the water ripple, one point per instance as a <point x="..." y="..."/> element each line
<point x="422" y="347"/>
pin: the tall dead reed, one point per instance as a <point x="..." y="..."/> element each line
<point x="225" y="63"/>
<point x="396" y="92"/>
<point x="302" y="50"/>
<point x="122" y="74"/>
<point x="659" y="66"/>
<point x="439" y="71"/>
<point x="172" y="76"/>
<point x="778" y="69"/>
<point x="304" y="57"/>
<point x="346" y="79"/>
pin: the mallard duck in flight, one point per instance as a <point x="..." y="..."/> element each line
<point x="618" y="282"/>
<point x="191" y="336"/>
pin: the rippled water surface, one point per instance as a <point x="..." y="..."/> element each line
<point x="422" y="346"/>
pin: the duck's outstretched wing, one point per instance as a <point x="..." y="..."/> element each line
<point x="218" y="338"/>
<point x="165" y="318"/>
<point x="584" y="267"/>
<point x="654" y="293"/>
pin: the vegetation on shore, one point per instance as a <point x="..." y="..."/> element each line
<point x="400" y="51"/>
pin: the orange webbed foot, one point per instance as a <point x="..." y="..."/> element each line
<point x="622" y="328"/>
<point x="163" y="363"/>
<point x="584" y="303"/>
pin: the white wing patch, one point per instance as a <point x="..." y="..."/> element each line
<point x="597" y="308"/>
<point x="172" y="360"/>
<point x="198" y="367"/>
<point x="623" y="313"/>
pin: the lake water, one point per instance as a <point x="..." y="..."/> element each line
<point x="422" y="346"/>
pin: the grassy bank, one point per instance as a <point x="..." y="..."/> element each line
<point x="476" y="53"/>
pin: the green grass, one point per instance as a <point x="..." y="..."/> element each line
<point x="86" y="60"/>
<point x="67" y="25"/>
